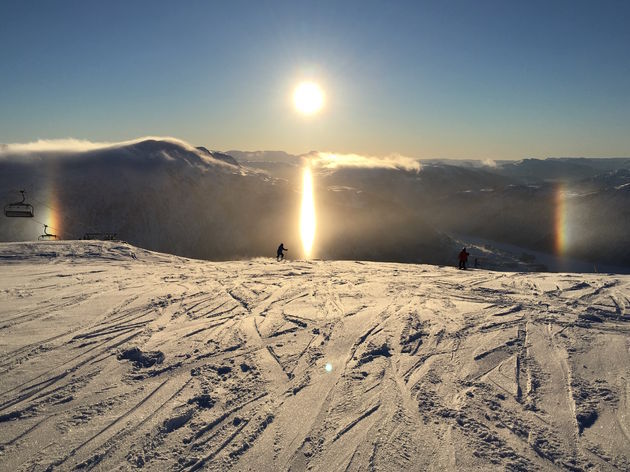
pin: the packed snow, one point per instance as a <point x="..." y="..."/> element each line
<point x="117" y="358"/>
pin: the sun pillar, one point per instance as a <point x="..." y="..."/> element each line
<point x="561" y="229"/>
<point x="307" y="214"/>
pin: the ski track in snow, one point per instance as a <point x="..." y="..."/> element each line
<point x="117" y="358"/>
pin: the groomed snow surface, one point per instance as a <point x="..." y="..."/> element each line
<point x="116" y="358"/>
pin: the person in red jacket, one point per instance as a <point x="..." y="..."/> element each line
<point x="463" y="258"/>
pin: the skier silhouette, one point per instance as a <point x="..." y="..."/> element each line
<point x="463" y="257"/>
<point x="280" y="253"/>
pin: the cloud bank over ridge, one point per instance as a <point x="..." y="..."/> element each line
<point x="72" y="145"/>
<point x="324" y="160"/>
<point x="329" y="160"/>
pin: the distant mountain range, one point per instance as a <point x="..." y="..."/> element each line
<point x="165" y="195"/>
<point x="535" y="204"/>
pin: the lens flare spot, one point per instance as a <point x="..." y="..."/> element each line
<point x="307" y="215"/>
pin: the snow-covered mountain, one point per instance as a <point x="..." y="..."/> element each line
<point x="118" y="358"/>
<point x="565" y="169"/>
<point x="157" y="193"/>
<point x="166" y="195"/>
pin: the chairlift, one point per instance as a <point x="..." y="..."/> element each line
<point x="19" y="209"/>
<point x="47" y="236"/>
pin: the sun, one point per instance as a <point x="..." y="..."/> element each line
<point x="308" y="98"/>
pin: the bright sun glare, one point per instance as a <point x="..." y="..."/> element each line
<point x="307" y="217"/>
<point x="308" y="98"/>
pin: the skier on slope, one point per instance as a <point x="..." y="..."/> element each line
<point x="463" y="257"/>
<point x="280" y="253"/>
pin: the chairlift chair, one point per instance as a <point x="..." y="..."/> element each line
<point x="47" y="236"/>
<point x="19" y="209"/>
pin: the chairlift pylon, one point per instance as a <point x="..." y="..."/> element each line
<point x="47" y="236"/>
<point x="19" y="209"/>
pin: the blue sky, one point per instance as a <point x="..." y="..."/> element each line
<point x="461" y="79"/>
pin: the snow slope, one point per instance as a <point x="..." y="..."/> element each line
<point x="116" y="358"/>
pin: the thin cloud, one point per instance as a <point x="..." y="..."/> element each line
<point x="329" y="160"/>
<point x="52" y="145"/>
<point x="71" y="145"/>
